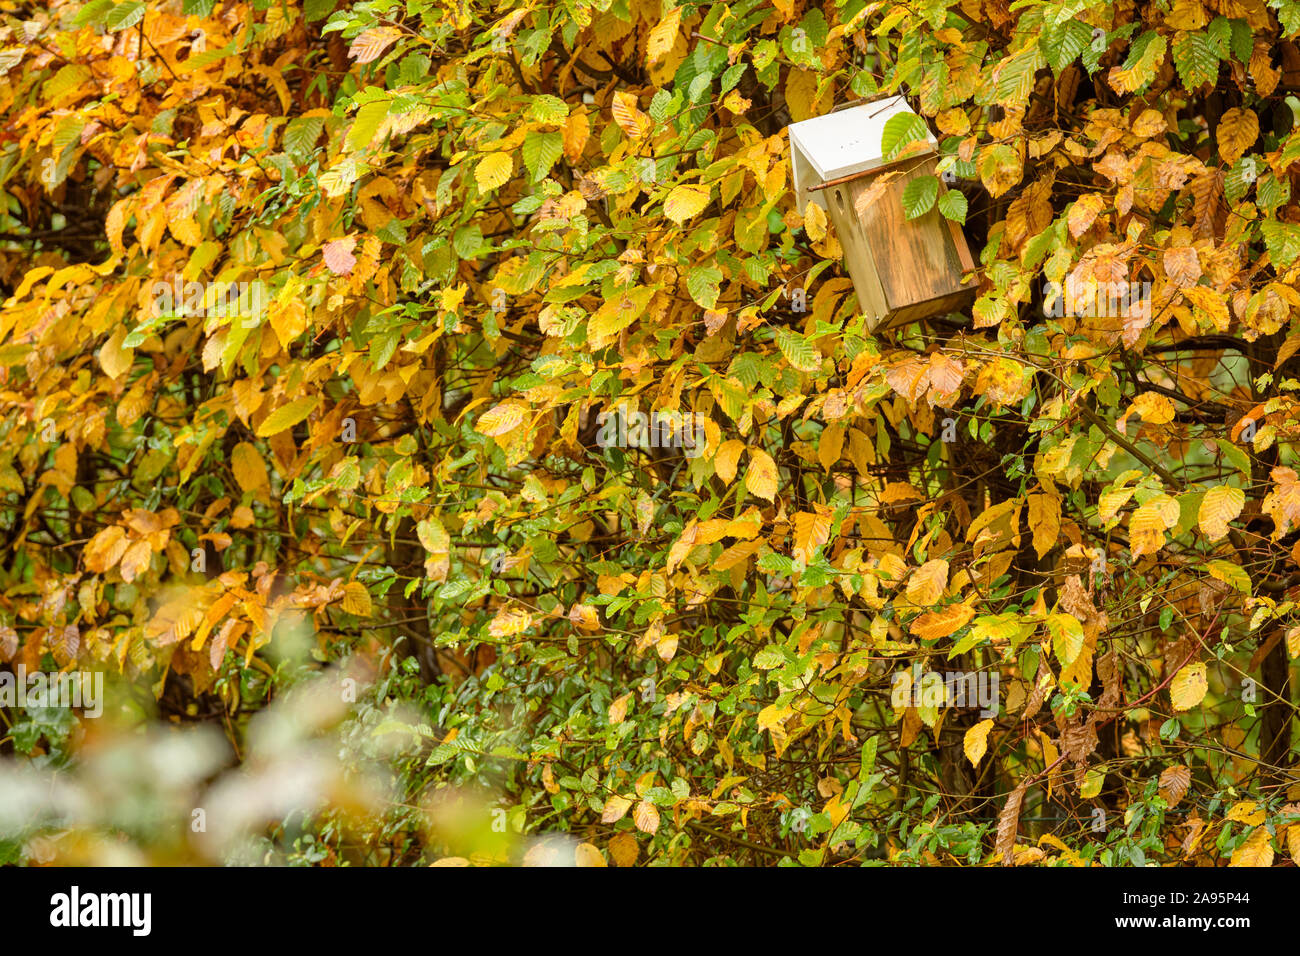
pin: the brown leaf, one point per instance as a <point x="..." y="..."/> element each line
<point x="1009" y="823"/>
<point x="1174" y="782"/>
<point x="623" y="849"/>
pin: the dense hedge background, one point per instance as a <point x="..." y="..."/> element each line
<point x="366" y="587"/>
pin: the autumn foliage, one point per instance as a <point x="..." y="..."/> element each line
<point x="312" y="313"/>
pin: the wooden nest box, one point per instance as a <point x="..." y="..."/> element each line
<point x="902" y="269"/>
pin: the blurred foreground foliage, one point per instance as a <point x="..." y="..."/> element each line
<point x="367" y="589"/>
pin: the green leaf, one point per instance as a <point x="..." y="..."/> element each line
<point x="549" y="109"/>
<point x="1219" y="34"/>
<point x="867" y="762"/>
<point x="1196" y="60"/>
<point x="900" y="130"/>
<point x="952" y="205"/>
<point x="1288" y="14"/>
<point x="798" y="351"/>
<point x="1237" y="182"/>
<point x="93" y="12"/>
<point x="124" y="15"/>
<point x="1067" y="637"/>
<point x="467" y="241"/>
<point x="702" y="283"/>
<point x="1242" y="41"/>
<point x="301" y="134"/>
<point x="1231" y="574"/>
<point x="1235" y="456"/>
<point x="540" y="151"/>
<point x="367" y="122"/>
<point x="1063" y="44"/>
<point x="312" y="9"/>
<point x="1015" y="77"/>
<point x="919" y="196"/>
<point x="286" y="416"/>
<point x="1271" y="192"/>
<point x="1283" y="241"/>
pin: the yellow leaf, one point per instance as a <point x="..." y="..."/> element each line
<point x="936" y="624"/>
<point x="976" y="741"/>
<point x="760" y="479"/>
<point x="800" y="90"/>
<point x="646" y="817"/>
<point x="135" y="561"/>
<point x="953" y="122"/>
<point x="617" y="313"/>
<point x="1154" y="408"/>
<point x="616" y="808"/>
<point x="1083" y="213"/>
<point x="927" y="583"/>
<point x="728" y="457"/>
<point x="736" y="103"/>
<point x="734" y="555"/>
<point x="1248" y="812"/>
<point x="356" y="599"/>
<point x="105" y="549"/>
<point x="577" y="128"/>
<point x="1237" y="133"/>
<point x="510" y="621"/>
<point x="1188" y="687"/>
<point x="1092" y="782"/>
<point x="249" y="468"/>
<point x="1000" y="168"/>
<point x="501" y="419"/>
<point x="629" y="117"/>
<point x="584" y="854"/>
<point x="116" y="221"/>
<point x="493" y="171"/>
<point x="113" y="358"/>
<point x="830" y="445"/>
<point x="618" y="708"/>
<point x="1045" y="522"/>
<point x="584" y="616"/>
<point x="811" y="531"/>
<point x="685" y="201"/>
<point x="663" y="37"/>
<point x="1187" y="15"/>
<point x="814" y="222"/>
<point x="1256" y="851"/>
<point x="1221" y="504"/>
<point x="286" y="416"/>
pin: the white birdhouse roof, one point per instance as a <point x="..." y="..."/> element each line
<point x="840" y="144"/>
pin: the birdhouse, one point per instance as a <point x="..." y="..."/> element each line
<point x="902" y="269"/>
